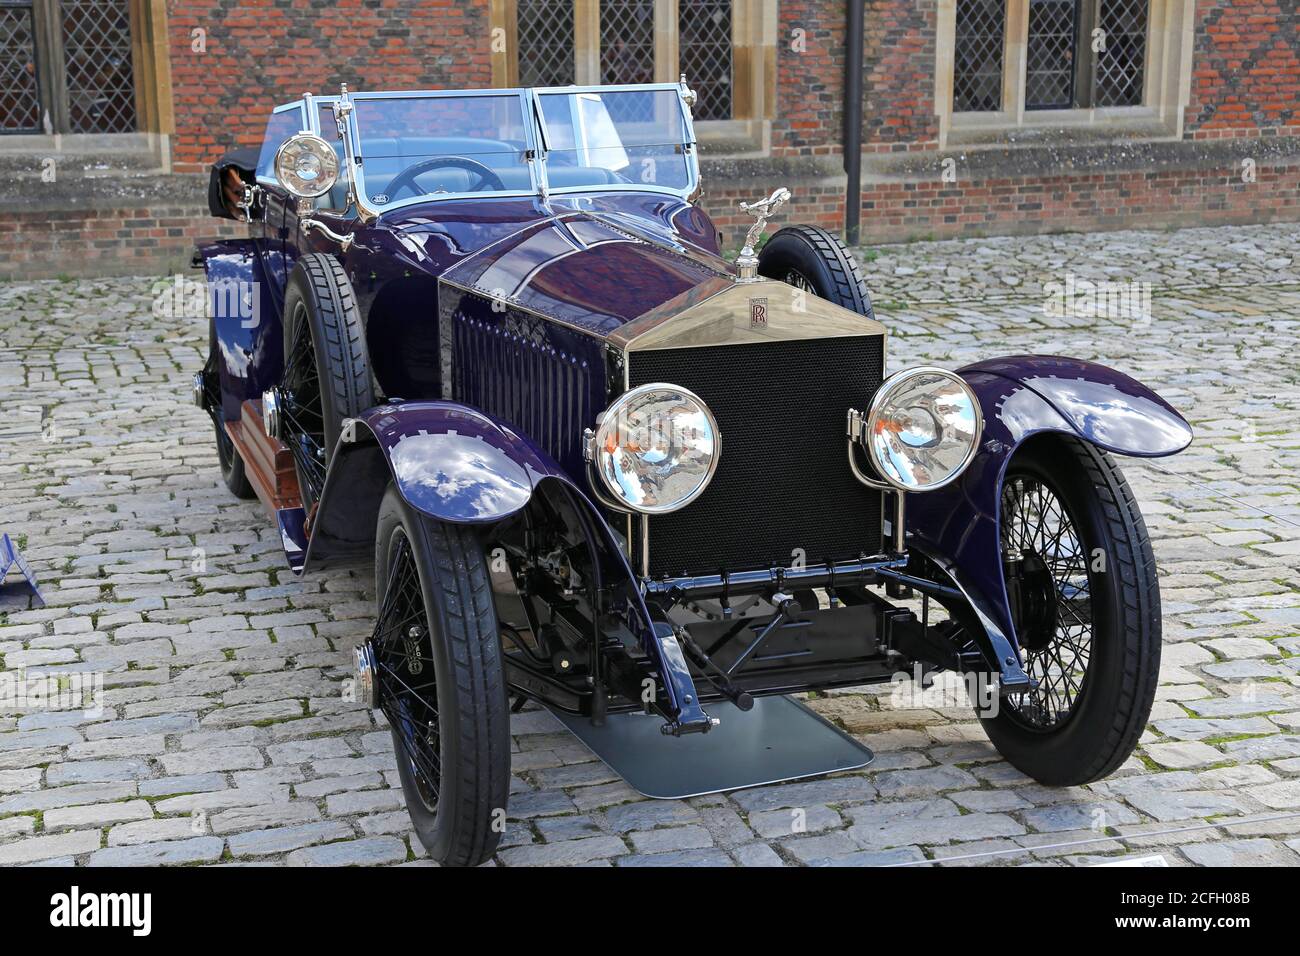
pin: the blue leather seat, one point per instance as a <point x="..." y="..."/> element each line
<point x="385" y="157"/>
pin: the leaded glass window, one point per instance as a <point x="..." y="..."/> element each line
<point x="704" y="28"/>
<point x="546" y="47"/>
<point x="977" y="63"/>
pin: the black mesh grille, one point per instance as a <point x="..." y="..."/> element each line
<point x="784" y="481"/>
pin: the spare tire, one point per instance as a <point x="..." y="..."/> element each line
<point x="812" y="259"/>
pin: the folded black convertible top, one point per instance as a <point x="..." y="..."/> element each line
<point x="243" y="159"/>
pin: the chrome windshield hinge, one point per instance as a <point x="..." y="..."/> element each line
<point x="689" y="96"/>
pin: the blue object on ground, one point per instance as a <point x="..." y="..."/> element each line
<point x="11" y="557"/>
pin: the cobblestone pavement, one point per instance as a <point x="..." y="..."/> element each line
<point x="224" y="736"/>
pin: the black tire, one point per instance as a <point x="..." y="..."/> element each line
<point x="320" y="304"/>
<point x="462" y="826"/>
<point x="811" y="258"/>
<point x="232" y="465"/>
<point x="1105" y="718"/>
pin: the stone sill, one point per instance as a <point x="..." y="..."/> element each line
<point x="69" y="193"/>
<point x="143" y="190"/>
<point x="1057" y="158"/>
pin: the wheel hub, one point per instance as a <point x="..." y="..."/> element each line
<point x="414" y="665"/>
<point x="271" y="412"/>
<point x="365" y="671"/>
<point x="1035" y="600"/>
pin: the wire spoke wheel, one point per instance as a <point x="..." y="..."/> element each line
<point x="1047" y="566"/>
<point x="434" y="666"/>
<point x="302" y="413"/>
<point x="408" y="693"/>
<point x="815" y="262"/>
<point x="800" y="281"/>
<point x="1084" y="605"/>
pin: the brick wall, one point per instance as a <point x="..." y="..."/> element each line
<point x="986" y="204"/>
<point x="263" y="52"/>
<point x="809" y="78"/>
<point x="899" y="50"/>
<point x="1245" y="83"/>
<point x="1245" y="70"/>
<point x="1118" y="199"/>
<point x="147" y="240"/>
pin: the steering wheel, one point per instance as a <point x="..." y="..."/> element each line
<point x="406" y="178"/>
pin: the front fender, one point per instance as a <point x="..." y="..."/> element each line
<point x="1099" y="404"/>
<point x="1020" y="397"/>
<point x="449" y="461"/>
<point x="455" y="463"/>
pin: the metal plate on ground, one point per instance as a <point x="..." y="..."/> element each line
<point x="780" y="739"/>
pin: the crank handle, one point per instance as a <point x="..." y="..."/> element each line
<point x="345" y="242"/>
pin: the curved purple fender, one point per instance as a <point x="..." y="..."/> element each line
<point x="458" y="464"/>
<point x="1022" y="396"/>
<point x="246" y="316"/>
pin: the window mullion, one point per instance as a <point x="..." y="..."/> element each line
<point x="586" y="42"/>
<point x="667" y="53"/>
<point x="50" y="64"/>
<point x="1085" y="60"/>
<point x="1014" y="62"/>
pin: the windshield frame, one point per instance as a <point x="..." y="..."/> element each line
<point x="692" y="152"/>
<point x="535" y="152"/>
<point x="530" y="148"/>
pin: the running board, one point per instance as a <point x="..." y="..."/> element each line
<point x="268" y="465"/>
<point x="779" y="739"/>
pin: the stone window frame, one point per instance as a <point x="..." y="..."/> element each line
<point x="1166" y="87"/>
<point x="155" y="119"/>
<point x="754" y="25"/>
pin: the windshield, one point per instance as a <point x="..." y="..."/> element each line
<point x="413" y="146"/>
<point x="615" y="137"/>
<point x="417" y="146"/>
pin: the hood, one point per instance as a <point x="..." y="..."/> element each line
<point x="588" y="270"/>
<point x="611" y="276"/>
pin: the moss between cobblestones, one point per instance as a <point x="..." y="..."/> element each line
<point x="1229" y="738"/>
<point x="1149" y="763"/>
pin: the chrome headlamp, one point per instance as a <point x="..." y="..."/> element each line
<point x="307" y="166"/>
<point x="922" y="429"/>
<point x="655" y="449"/>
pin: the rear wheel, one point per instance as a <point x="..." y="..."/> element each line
<point x="1081" y="578"/>
<point x="440" y="681"/>
<point x="812" y="259"/>
<point x="326" y="370"/>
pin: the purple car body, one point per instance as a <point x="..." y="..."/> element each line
<point x="474" y="440"/>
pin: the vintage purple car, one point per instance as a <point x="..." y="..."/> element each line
<point x="496" y="348"/>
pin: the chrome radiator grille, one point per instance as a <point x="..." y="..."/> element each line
<point x="783" y="489"/>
